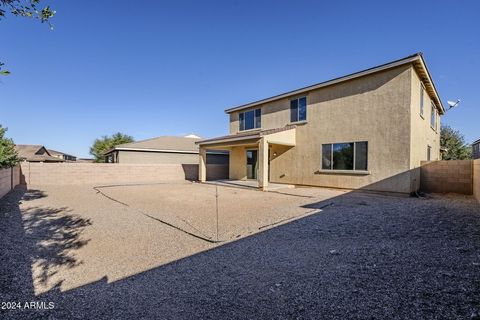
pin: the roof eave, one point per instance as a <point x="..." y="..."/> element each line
<point x="437" y="99"/>
<point x="410" y="59"/>
<point x="230" y="139"/>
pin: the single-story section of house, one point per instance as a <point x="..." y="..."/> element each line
<point x="476" y="149"/>
<point x="35" y="153"/>
<point x="164" y="150"/>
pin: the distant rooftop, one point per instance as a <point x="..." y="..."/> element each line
<point x="54" y="152"/>
<point x="163" y="143"/>
<point x="35" y="153"/>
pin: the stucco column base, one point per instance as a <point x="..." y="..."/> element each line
<point x="263" y="164"/>
<point x="202" y="165"/>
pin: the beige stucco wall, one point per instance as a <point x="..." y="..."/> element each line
<point x="156" y="157"/>
<point x="375" y="108"/>
<point x="422" y="135"/>
<point x="6" y="181"/>
<point x="476" y="178"/>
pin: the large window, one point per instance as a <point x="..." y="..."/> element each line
<point x="433" y="117"/>
<point x="421" y="99"/>
<point x="298" y="109"/>
<point x="345" y="156"/>
<point x="251" y="119"/>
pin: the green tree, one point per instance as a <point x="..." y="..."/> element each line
<point x="8" y="154"/>
<point x="105" y="143"/>
<point x="454" y="143"/>
<point x="25" y="8"/>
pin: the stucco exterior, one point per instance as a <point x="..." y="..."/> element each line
<point x="381" y="108"/>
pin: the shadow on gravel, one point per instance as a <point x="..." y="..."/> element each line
<point x="364" y="256"/>
<point x="42" y="236"/>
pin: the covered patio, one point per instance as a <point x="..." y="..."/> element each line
<point x="250" y="153"/>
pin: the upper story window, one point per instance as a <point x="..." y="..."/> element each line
<point x="433" y="117"/>
<point x="298" y="109"/>
<point x="251" y="119"/>
<point x="345" y="156"/>
<point x="421" y="100"/>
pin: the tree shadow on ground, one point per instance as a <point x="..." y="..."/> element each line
<point x="45" y="237"/>
<point x="364" y="256"/>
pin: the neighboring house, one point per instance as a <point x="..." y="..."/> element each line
<point x="368" y="130"/>
<point x="61" y="155"/>
<point x="166" y="149"/>
<point x="35" y="153"/>
<point x="476" y="149"/>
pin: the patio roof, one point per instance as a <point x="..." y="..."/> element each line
<point x="273" y="136"/>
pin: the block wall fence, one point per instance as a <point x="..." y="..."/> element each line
<point x="455" y="176"/>
<point x="112" y="173"/>
<point x="9" y="179"/>
<point x="476" y="179"/>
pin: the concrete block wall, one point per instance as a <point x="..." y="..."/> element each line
<point x="476" y="179"/>
<point x="455" y="176"/>
<point x="9" y="178"/>
<point x="107" y="173"/>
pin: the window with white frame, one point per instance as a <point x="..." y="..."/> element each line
<point x="251" y="119"/>
<point x="433" y="117"/>
<point x="421" y="100"/>
<point x="345" y="156"/>
<point x="298" y="109"/>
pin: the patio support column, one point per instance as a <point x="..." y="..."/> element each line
<point x="263" y="164"/>
<point x="202" y="165"/>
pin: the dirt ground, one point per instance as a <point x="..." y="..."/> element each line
<point x="305" y="253"/>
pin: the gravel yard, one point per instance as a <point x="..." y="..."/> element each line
<point x="193" y="207"/>
<point x="304" y="253"/>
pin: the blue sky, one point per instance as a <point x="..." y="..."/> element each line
<point x="151" y="68"/>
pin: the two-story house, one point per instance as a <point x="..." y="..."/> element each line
<point x="367" y="130"/>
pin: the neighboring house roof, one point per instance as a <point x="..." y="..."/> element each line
<point x="34" y="152"/>
<point x="58" y="153"/>
<point x="161" y="144"/>
<point x="416" y="59"/>
<point x="475" y="142"/>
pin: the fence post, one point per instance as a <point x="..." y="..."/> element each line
<point x="11" y="178"/>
